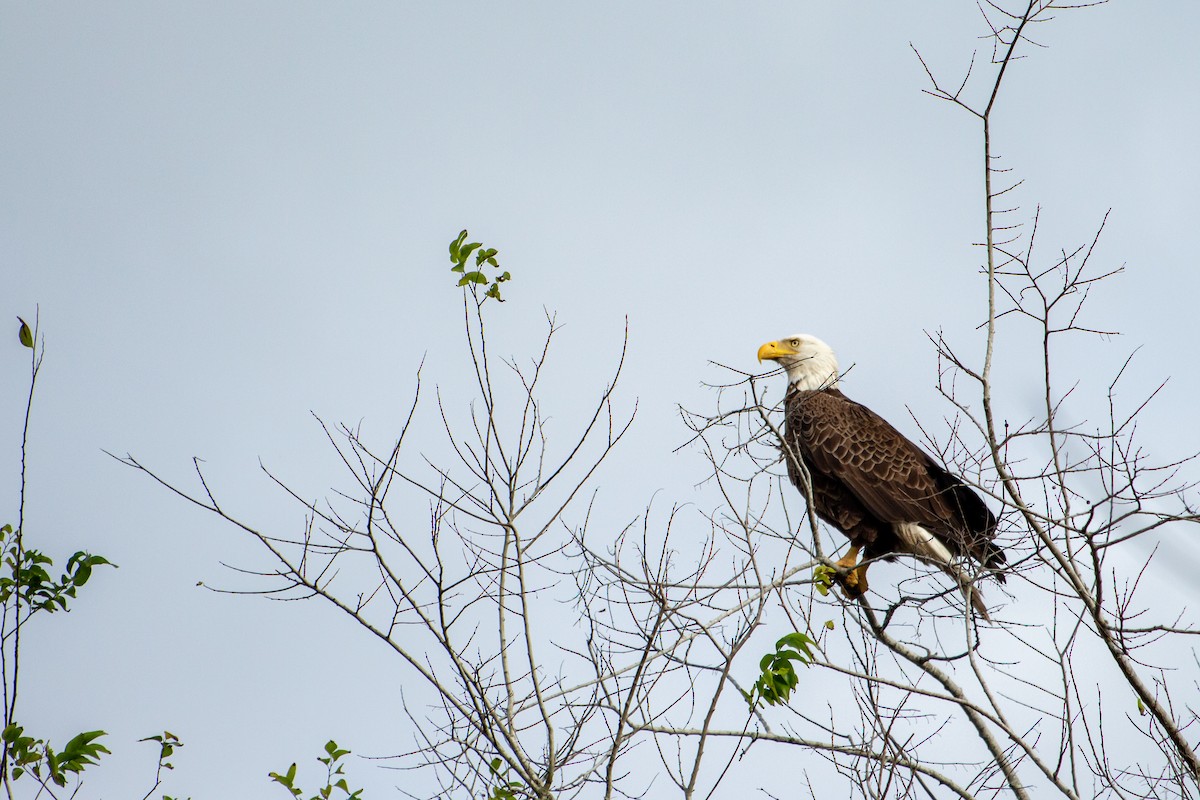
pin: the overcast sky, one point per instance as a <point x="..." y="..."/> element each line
<point x="231" y="214"/>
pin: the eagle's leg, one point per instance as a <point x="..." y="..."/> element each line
<point x="852" y="577"/>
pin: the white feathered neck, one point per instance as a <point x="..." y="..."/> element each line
<point x="813" y="367"/>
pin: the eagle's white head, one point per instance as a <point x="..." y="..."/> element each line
<point x="809" y="362"/>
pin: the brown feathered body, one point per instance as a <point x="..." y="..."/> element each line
<point x="867" y="479"/>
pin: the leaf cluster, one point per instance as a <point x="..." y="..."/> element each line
<point x="168" y="744"/>
<point x="28" y="575"/>
<point x="504" y="788"/>
<point x="823" y="577"/>
<point x="460" y="253"/>
<point x="38" y="758"/>
<point x="778" y="677"/>
<point x="334" y="778"/>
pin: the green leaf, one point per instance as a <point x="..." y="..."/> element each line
<point x="85" y="746"/>
<point x="823" y="579"/>
<point x="24" y="334"/>
<point x="778" y="678"/>
<point x="285" y="780"/>
<point x="829" y="625"/>
<point x="487" y="254"/>
<point x="1141" y="707"/>
<point x="465" y="251"/>
<point x="797" y="641"/>
<point x="454" y="246"/>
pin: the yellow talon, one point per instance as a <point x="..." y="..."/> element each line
<point x="852" y="577"/>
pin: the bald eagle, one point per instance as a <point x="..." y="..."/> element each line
<point x="885" y="493"/>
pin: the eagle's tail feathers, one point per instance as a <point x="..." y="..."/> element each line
<point x="927" y="547"/>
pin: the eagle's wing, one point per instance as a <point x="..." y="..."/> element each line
<point x="895" y="480"/>
<point x="892" y="477"/>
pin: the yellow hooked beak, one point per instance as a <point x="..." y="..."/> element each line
<point x="774" y="350"/>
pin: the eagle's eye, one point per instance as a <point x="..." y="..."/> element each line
<point x="795" y="343"/>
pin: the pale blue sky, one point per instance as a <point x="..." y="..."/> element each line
<point x="234" y="213"/>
